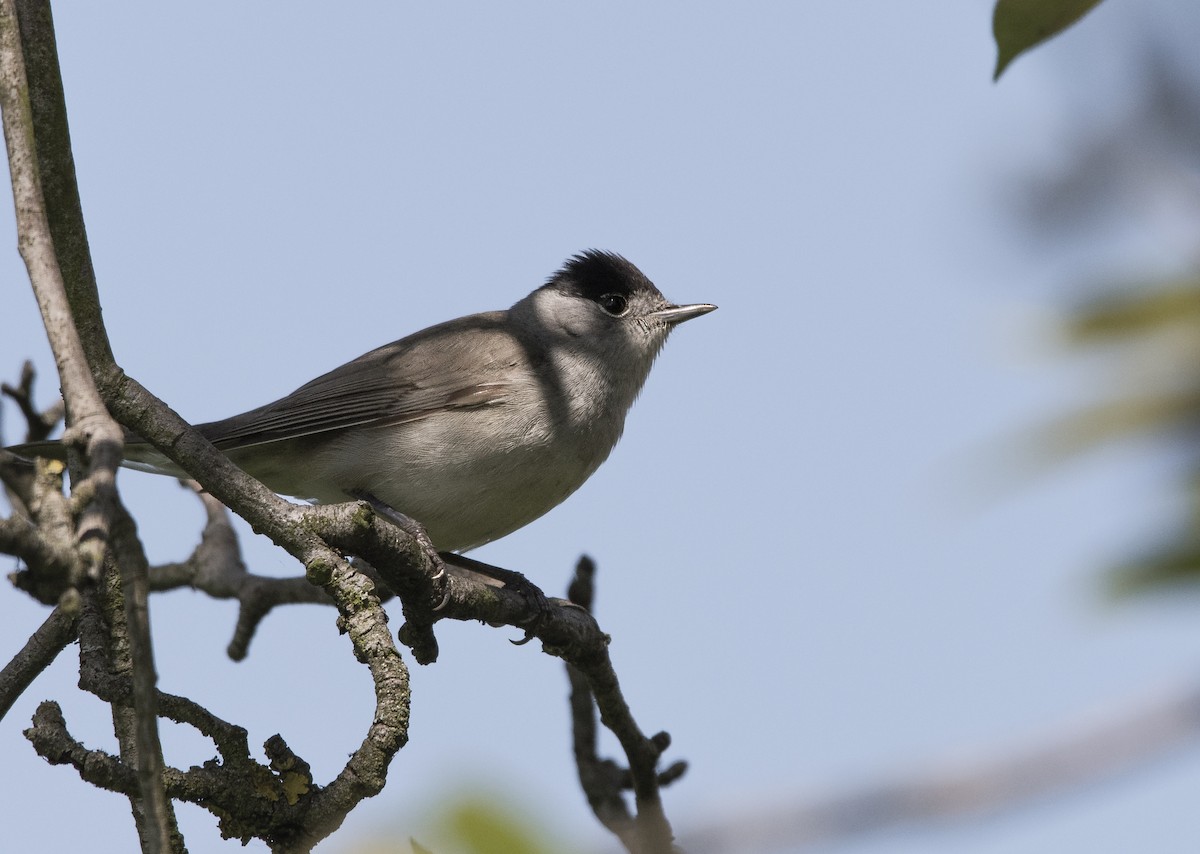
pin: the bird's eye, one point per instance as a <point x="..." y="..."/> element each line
<point x="614" y="304"/>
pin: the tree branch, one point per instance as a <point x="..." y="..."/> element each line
<point x="59" y="191"/>
<point x="279" y="804"/>
<point x="17" y="475"/>
<point x="31" y="105"/>
<point x="39" y="651"/>
<point x="592" y="678"/>
<point x="132" y="588"/>
<point x="51" y="220"/>
<point x="38" y="423"/>
<point x="91" y="427"/>
<point x="54" y="563"/>
<point x="48" y="558"/>
<point x="216" y="568"/>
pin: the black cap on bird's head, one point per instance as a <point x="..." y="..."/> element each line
<point x="619" y="288"/>
<point x="592" y="274"/>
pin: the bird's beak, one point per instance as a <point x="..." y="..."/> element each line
<point x="673" y="315"/>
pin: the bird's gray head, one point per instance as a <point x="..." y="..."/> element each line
<point x="601" y="303"/>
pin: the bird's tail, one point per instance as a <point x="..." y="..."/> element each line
<point x="139" y="455"/>
<point x="51" y="449"/>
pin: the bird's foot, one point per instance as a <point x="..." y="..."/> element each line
<point x="514" y="581"/>
<point x="411" y="527"/>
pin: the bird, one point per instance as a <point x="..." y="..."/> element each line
<point x="474" y="427"/>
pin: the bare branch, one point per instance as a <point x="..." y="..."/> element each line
<point x="250" y="800"/>
<point x="39" y="651"/>
<point x="51" y="561"/>
<point x="91" y="427"/>
<point x="592" y="678"/>
<point x="106" y="655"/>
<point x="16" y="474"/>
<point x="216" y="568"/>
<point x="56" y="173"/>
<point x="23" y="94"/>
<point x="130" y="560"/>
<point x="53" y="742"/>
<point x="38" y="423"/>
<point x="34" y="238"/>
<point x="50" y="220"/>
<point x="280" y="804"/>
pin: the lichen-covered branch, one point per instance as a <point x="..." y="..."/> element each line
<point x="244" y="795"/>
<point x="279" y="802"/>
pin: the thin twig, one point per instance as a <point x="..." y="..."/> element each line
<point x="39" y="651"/>
<point x="592" y="678"/>
<point x="38" y="423"/>
<point x="17" y="475"/>
<point x="216" y="568"/>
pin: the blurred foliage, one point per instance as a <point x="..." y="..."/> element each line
<point x="1134" y="170"/>
<point x="476" y="823"/>
<point x="1156" y="334"/>
<point x="1122" y="317"/>
<point x="1115" y="181"/>
<point x="1157" y="392"/>
<point x="1018" y="25"/>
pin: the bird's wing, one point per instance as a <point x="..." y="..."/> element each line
<point x="434" y="371"/>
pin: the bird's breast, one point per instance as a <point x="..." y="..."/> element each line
<point x="472" y="476"/>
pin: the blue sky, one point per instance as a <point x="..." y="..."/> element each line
<point x="803" y="582"/>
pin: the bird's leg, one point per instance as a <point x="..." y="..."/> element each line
<point x="511" y="579"/>
<point x="408" y="525"/>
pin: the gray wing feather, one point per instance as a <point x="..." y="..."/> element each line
<point x="413" y="378"/>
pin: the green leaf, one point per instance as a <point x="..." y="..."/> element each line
<point x="1020" y="24"/>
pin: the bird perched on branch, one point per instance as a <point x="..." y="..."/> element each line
<point x="474" y="427"/>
